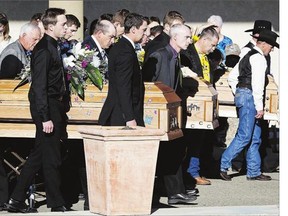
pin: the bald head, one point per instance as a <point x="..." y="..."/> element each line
<point x="103" y="26"/>
<point x="105" y="33"/>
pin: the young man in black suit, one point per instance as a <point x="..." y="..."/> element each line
<point x="171" y="18"/>
<point x="48" y="113"/>
<point x="124" y="102"/>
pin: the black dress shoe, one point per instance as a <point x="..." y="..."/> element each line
<point x="260" y="178"/>
<point x="58" y="209"/>
<point x="2" y="207"/>
<point x="86" y="205"/>
<point x="16" y="206"/>
<point x="181" y="199"/>
<point x="225" y="176"/>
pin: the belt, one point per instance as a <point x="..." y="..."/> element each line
<point x="242" y="85"/>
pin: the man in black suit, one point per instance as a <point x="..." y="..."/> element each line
<point x="103" y="37"/>
<point x="48" y="113"/>
<point x="165" y="67"/>
<point x="170" y="18"/>
<point x="124" y="102"/>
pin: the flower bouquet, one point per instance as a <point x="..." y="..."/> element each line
<point x="83" y="67"/>
<point x="24" y="75"/>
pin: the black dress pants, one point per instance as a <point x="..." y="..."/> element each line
<point x="169" y="166"/>
<point x="46" y="154"/>
<point x="3" y="184"/>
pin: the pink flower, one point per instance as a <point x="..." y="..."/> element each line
<point x="84" y="64"/>
<point x="68" y="76"/>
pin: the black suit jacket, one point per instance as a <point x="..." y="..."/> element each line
<point x="160" y="66"/>
<point x="125" y="97"/>
<point x="159" y="42"/>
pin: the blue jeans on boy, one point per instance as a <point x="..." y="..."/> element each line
<point x="248" y="132"/>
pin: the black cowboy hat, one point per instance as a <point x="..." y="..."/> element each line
<point x="269" y="37"/>
<point x="260" y="25"/>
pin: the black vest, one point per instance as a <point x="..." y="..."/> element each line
<point x="245" y="73"/>
<point x="268" y="59"/>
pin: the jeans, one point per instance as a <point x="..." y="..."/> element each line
<point x="248" y="132"/>
<point x="194" y="167"/>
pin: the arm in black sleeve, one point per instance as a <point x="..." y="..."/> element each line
<point x="10" y="67"/>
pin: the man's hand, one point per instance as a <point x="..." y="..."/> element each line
<point x="259" y="114"/>
<point x="187" y="72"/>
<point x="131" y="123"/>
<point x="48" y="126"/>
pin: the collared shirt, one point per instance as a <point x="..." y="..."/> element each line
<point x="234" y="73"/>
<point x="47" y="75"/>
<point x="133" y="44"/>
<point x="205" y="66"/>
<point x="258" y="68"/>
<point x="245" y="50"/>
<point x="97" y="43"/>
<point x="175" y="54"/>
<point x="178" y="72"/>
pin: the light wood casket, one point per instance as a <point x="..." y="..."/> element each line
<point x="162" y="107"/>
<point x="226" y="99"/>
<point x="202" y="108"/>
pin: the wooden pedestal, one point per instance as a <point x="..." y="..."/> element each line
<point x="120" y="166"/>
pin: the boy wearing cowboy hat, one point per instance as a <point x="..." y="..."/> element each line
<point x="249" y="102"/>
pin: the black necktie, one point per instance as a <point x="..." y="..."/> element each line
<point x="62" y="69"/>
<point x="178" y="73"/>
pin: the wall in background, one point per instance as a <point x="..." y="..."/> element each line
<point x="238" y="15"/>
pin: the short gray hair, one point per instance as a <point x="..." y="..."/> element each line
<point x="175" y="29"/>
<point x="28" y="27"/>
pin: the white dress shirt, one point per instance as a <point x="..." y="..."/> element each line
<point x="258" y="68"/>
<point x="234" y="73"/>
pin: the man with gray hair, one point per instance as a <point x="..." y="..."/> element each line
<point x="163" y="65"/>
<point x="102" y="38"/>
<point x="17" y="54"/>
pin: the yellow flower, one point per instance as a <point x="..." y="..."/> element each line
<point x="195" y="38"/>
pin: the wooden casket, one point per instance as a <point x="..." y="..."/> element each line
<point x="226" y="99"/>
<point x="162" y="107"/>
<point x="202" y="108"/>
